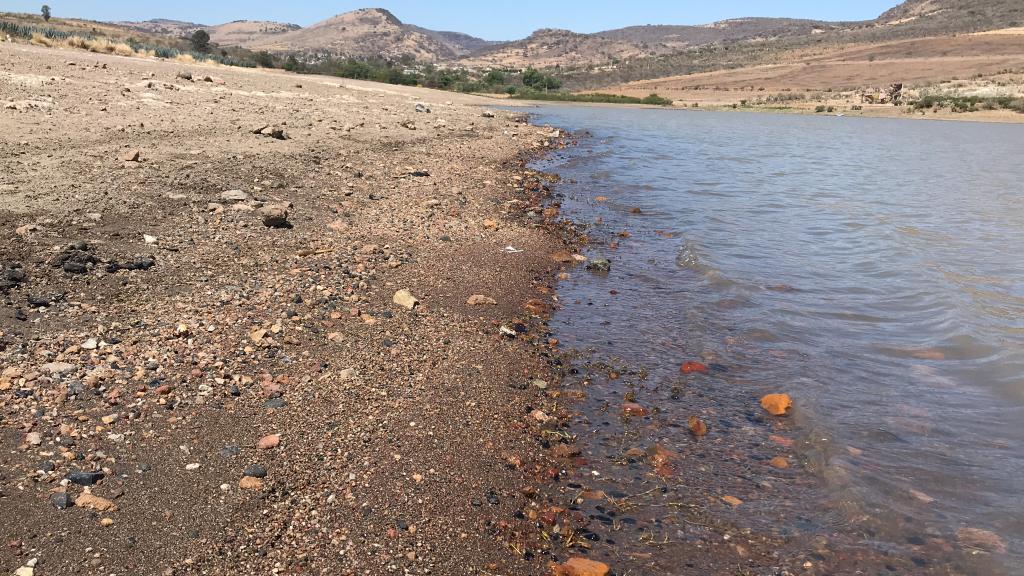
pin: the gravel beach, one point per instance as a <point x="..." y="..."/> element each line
<point x="254" y="322"/>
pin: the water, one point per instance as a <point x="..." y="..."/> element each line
<point x="869" y="268"/>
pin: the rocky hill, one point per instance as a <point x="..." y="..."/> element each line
<point x="613" y="56"/>
<point x="366" y="33"/>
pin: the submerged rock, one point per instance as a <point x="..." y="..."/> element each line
<point x="599" y="265"/>
<point x="777" y="404"/>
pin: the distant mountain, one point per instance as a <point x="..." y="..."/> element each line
<point x="366" y="33"/>
<point x="633" y="51"/>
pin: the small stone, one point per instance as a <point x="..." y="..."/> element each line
<point x="250" y="483"/>
<point x="777" y="404"/>
<point x="131" y="156"/>
<point x="84" y="478"/>
<point x="633" y="409"/>
<point x="234" y="196"/>
<point x="693" y="368"/>
<point x="34" y="438"/>
<point x="90" y="344"/>
<point x="581" y="567"/>
<point x="193" y="466"/>
<point x="107" y="522"/>
<point x="779" y="462"/>
<point x="697" y="427"/>
<point x="274" y="217"/>
<point x="255" y="471"/>
<point x="480" y="300"/>
<point x="405" y="299"/>
<point x="732" y="500"/>
<point x="599" y="265"/>
<point x="58" y="368"/>
<point x="93" y="502"/>
<point x="269" y="442"/>
<point x="61" y="500"/>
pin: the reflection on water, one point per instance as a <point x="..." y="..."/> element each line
<point x="869" y="268"/>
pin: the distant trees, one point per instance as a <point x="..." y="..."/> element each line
<point x="201" y="41"/>
<point x="537" y="80"/>
<point x="264" y="59"/>
<point x="495" y="77"/>
<point x="46" y="12"/>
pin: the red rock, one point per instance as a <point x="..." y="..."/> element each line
<point x="693" y="368"/>
<point x="780" y="462"/>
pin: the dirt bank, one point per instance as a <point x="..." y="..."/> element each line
<point x="200" y="340"/>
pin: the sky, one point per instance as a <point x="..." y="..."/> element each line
<point x="490" y="20"/>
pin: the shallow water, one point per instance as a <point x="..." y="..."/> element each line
<point x="869" y="268"/>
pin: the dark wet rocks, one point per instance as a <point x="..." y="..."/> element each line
<point x="84" y="478"/>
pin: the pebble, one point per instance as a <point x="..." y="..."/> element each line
<point x="255" y="471"/>
<point x="193" y="466"/>
<point x="84" y="478"/>
<point x="269" y="442"/>
<point x="405" y="299"/>
<point x="61" y="500"/>
<point x="777" y="404"/>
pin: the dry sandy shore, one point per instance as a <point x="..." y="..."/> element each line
<point x="143" y="366"/>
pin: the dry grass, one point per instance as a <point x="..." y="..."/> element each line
<point x="40" y="40"/>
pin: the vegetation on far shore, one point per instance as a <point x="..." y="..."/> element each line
<point x="595" y="97"/>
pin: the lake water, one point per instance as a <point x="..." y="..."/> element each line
<point x="870" y="268"/>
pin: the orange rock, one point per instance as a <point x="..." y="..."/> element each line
<point x="693" y="368"/>
<point x="777" y="404"/>
<point x="93" y="502"/>
<point x="780" y="462"/>
<point x="697" y="427"/>
<point x="601" y="199"/>
<point x="633" y="409"/>
<point x="269" y="442"/>
<point x="250" y="483"/>
<point x="781" y="440"/>
<point x="580" y="567"/>
<point x="732" y="500"/>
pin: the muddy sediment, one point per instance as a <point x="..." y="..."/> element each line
<point x="206" y="364"/>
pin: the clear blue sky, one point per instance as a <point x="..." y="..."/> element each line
<point x="493" y="20"/>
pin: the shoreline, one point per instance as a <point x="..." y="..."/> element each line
<point x="252" y="396"/>
<point x="998" y="117"/>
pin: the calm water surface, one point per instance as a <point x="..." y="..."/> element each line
<point x="870" y="268"/>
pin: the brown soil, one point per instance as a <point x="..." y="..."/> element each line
<point x="405" y="434"/>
